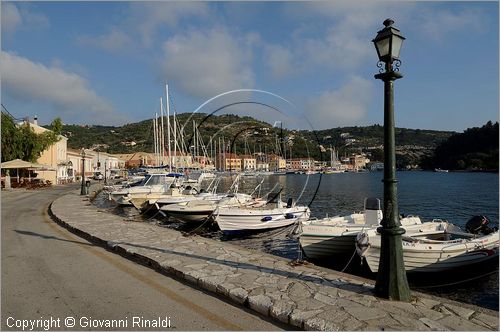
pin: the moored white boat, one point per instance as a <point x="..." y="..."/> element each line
<point x="152" y="183"/>
<point x="200" y="209"/>
<point x="435" y="246"/>
<point x="188" y="191"/>
<point x="275" y="214"/>
<point x="331" y="236"/>
<point x="172" y="195"/>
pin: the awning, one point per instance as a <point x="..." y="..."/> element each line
<point x="18" y="163"/>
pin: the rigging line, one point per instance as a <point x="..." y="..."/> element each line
<point x="207" y="220"/>
<point x="349" y="262"/>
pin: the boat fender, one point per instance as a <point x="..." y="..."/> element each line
<point x="362" y="243"/>
<point x="289" y="216"/>
<point x="267" y="218"/>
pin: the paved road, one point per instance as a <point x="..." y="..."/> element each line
<point x="49" y="272"/>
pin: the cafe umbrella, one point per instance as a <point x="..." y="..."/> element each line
<point x="22" y="164"/>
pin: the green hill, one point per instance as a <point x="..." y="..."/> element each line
<point x="245" y="134"/>
<point x="474" y="149"/>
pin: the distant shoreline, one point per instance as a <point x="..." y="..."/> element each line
<point x="450" y="171"/>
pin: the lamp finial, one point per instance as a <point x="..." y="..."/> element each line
<point x="388" y="22"/>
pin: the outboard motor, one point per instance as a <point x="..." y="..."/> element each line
<point x="479" y="225"/>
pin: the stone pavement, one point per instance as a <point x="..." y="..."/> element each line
<point x="305" y="296"/>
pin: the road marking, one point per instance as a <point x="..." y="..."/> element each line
<point x="108" y="257"/>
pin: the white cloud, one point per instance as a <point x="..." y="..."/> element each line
<point x="346" y="106"/>
<point x="11" y="18"/>
<point x="147" y="17"/>
<point x="280" y="60"/>
<point x="114" y="40"/>
<point x="331" y="35"/>
<point x="14" y="18"/>
<point x="67" y="92"/>
<point x="438" y="24"/>
<point x="205" y="63"/>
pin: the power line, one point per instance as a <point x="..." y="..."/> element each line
<point x="6" y="112"/>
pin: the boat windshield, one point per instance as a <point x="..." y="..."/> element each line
<point x="157" y="179"/>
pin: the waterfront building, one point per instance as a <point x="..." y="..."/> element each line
<point x="203" y="163"/>
<point x="249" y="163"/>
<point x="276" y="163"/>
<point x="108" y="165"/>
<point x="229" y="162"/>
<point x="262" y="166"/>
<point x="302" y="164"/>
<point x="74" y="158"/>
<point x="358" y="161"/>
<point x="136" y="159"/>
<point x="54" y="156"/>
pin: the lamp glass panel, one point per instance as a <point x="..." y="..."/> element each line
<point x="383" y="47"/>
<point x="396" y="46"/>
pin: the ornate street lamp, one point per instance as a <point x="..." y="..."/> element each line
<point x="83" y="189"/>
<point x="391" y="277"/>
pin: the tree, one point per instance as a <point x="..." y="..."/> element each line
<point x="474" y="149"/>
<point x="56" y="126"/>
<point x="21" y="141"/>
<point x="10" y="138"/>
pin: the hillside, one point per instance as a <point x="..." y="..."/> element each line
<point x="474" y="149"/>
<point x="246" y="134"/>
<point x="118" y="139"/>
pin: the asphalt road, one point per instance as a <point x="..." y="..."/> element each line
<point x="49" y="273"/>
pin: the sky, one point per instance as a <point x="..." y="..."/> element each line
<point x="307" y="64"/>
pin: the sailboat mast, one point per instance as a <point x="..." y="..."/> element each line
<point x="194" y="140"/>
<point x="155" y="141"/>
<point x="331" y="156"/>
<point x="175" y="138"/>
<point x="168" y="131"/>
<point x="282" y="141"/>
<point x="154" y="136"/>
<point x="224" y="150"/>
<point x="162" y="138"/>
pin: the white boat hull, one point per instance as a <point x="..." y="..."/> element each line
<point x="190" y="215"/>
<point x="328" y="237"/>
<point x="233" y="220"/>
<point x="321" y="247"/>
<point x="421" y="255"/>
<point x="199" y="210"/>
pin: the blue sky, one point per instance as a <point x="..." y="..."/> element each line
<point x="108" y="62"/>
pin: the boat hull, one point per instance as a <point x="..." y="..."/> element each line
<point x="327" y="237"/>
<point x="437" y="256"/>
<point x="191" y="216"/>
<point x="321" y="247"/>
<point x="232" y="220"/>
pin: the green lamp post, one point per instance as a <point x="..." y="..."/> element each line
<point x="83" y="189"/>
<point x="391" y="277"/>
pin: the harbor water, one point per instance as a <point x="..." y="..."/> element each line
<point x="454" y="197"/>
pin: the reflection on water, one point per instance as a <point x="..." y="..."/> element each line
<point x="451" y="196"/>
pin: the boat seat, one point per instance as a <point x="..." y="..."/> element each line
<point x="359" y="219"/>
<point x="274" y="197"/>
<point x="373" y="212"/>
<point x="373" y="217"/>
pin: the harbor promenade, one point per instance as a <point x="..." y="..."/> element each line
<point x="303" y="296"/>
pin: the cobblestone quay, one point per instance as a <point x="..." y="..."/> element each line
<point x="305" y="296"/>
